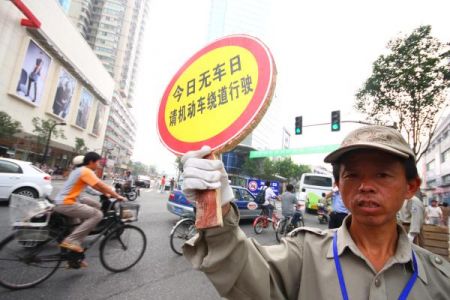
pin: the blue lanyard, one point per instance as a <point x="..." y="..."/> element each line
<point x="337" y="263"/>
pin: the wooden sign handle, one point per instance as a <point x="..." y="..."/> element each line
<point x="209" y="209"/>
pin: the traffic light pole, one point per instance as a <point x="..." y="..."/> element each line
<point x="359" y="122"/>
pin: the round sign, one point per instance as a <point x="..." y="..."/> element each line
<point x="252" y="206"/>
<point x="252" y="185"/>
<point x="217" y="96"/>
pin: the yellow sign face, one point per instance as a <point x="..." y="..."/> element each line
<point x="211" y="93"/>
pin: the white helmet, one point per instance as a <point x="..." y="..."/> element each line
<point x="78" y="160"/>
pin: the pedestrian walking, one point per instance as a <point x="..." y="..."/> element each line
<point x="433" y="213"/>
<point x="162" y="184"/>
<point x="368" y="257"/>
<point x="172" y="184"/>
<point x="412" y="218"/>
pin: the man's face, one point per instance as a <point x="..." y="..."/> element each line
<point x="373" y="186"/>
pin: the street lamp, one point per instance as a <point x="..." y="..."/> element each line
<point x="44" y="158"/>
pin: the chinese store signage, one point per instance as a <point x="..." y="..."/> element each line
<point x="220" y="92"/>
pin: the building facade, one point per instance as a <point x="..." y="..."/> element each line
<point x="50" y="72"/>
<point x="250" y="17"/>
<point x="114" y="30"/>
<point x="436" y="164"/>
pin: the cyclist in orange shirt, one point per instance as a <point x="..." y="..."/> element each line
<point x="68" y="201"/>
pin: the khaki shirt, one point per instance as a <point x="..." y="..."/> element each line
<point x="302" y="266"/>
<point x="412" y="212"/>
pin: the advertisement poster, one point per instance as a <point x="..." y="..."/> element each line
<point x="99" y="119"/>
<point x="33" y="74"/>
<point x="84" y="108"/>
<point x="64" y="93"/>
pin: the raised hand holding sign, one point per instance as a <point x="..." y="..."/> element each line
<point x="215" y="100"/>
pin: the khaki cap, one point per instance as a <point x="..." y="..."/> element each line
<point x="372" y="137"/>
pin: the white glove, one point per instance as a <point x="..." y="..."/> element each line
<point x="203" y="174"/>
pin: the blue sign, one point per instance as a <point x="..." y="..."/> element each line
<point x="255" y="185"/>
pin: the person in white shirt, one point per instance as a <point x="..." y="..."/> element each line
<point x="433" y="213"/>
<point x="269" y="199"/>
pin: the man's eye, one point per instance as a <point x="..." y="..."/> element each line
<point x="383" y="175"/>
<point x="349" y="175"/>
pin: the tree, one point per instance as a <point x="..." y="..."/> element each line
<point x="138" y="168"/>
<point x="290" y="170"/>
<point x="42" y="129"/>
<point x="8" y="126"/>
<point x="408" y="86"/>
<point x="80" y="146"/>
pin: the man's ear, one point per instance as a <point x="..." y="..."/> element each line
<point x="413" y="186"/>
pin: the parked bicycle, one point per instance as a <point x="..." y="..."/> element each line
<point x="285" y="226"/>
<point x="263" y="221"/>
<point x="182" y="231"/>
<point x="33" y="251"/>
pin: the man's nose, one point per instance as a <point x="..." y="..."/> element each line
<point x="366" y="185"/>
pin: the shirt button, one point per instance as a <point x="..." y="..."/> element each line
<point x="377" y="282"/>
<point x="437" y="260"/>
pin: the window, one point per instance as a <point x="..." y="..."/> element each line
<point x="431" y="183"/>
<point x="446" y="178"/>
<point x="9" y="167"/>
<point x="445" y="156"/>
<point x="246" y="196"/>
<point x="430" y="165"/>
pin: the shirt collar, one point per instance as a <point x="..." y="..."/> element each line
<point x="403" y="254"/>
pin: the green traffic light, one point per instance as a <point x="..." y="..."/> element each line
<point x="297" y="131"/>
<point x="335" y="126"/>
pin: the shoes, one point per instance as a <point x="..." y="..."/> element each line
<point x="71" y="247"/>
<point x="76" y="264"/>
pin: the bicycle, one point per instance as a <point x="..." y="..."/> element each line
<point x="31" y="254"/>
<point x="182" y="231"/>
<point x="285" y="226"/>
<point x="263" y="221"/>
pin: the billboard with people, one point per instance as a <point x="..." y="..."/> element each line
<point x="64" y="93"/>
<point x="31" y="82"/>
<point x="99" y="119"/>
<point x="84" y="108"/>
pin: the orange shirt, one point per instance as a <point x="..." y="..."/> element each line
<point x="75" y="184"/>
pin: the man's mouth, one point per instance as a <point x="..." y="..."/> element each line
<point x="368" y="204"/>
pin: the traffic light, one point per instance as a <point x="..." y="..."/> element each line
<point x="298" y="125"/>
<point x="336" y="120"/>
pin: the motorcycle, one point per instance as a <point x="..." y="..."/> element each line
<point x="322" y="213"/>
<point x="131" y="193"/>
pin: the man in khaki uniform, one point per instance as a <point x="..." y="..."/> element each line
<point x="368" y="257"/>
<point x="412" y="217"/>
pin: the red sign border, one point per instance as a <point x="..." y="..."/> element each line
<point x="266" y="67"/>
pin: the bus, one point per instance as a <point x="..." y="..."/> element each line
<point x="313" y="187"/>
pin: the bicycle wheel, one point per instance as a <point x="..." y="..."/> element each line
<point x="122" y="248"/>
<point x="181" y="232"/>
<point x="301" y="222"/>
<point x="258" y="225"/>
<point x="281" y="228"/>
<point x="24" y="265"/>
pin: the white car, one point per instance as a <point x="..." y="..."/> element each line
<point x="21" y="177"/>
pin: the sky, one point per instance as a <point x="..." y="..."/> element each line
<point x="323" y="51"/>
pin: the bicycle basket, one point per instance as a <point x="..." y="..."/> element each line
<point x="29" y="235"/>
<point x="27" y="211"/>
<point x="129" y="212"/>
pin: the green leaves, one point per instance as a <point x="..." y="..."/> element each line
<point x="42" y="128"/>
<point x="266" y="169"/>
<point x="408" y="86"/>
<point x="8" y="126"/>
